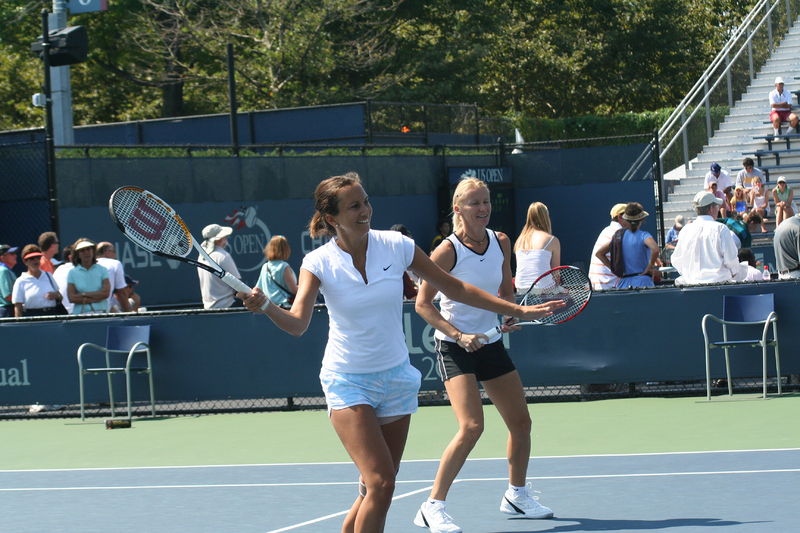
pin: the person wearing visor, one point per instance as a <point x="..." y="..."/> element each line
<point x="639" y="250"/>
<point x="35" y="291"/>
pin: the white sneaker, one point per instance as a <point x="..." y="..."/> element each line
<point x="435" y="518"/>
<point x="522" y="503"/>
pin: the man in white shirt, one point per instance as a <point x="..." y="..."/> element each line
<point x="215" y="292"/>
<point x="107" y="257"/>
<point x="721" y="177"/>
<point x="600" y="275"/>
<point x="706" y="251"/>
<point x="780" y="103"/>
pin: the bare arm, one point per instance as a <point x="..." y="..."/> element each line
<point x="555" y="258"/>
<point x="654" y="251"/>
<point x="289" y="280"/>
<point x="601" y="254"/>
<point x="18" y="310"/>
<point x="294" y="321"/>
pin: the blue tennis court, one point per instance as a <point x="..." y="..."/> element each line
<point x="741" y="491"/>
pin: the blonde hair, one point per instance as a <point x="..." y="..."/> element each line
<point x="463" y="187"/>
<point x="277" y="248"/>
<point x="538" y="218"/>
<point x="326" y="202"/>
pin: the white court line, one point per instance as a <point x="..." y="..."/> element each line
<point x="399" y="482"/>
<point x="323" y="463"/>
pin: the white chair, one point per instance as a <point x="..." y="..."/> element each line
<point x="746" y="311"/>
<point x="123" y="340"/>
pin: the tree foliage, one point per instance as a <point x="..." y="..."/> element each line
<point x="541" y="58"/>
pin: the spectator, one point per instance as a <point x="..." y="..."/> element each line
<point x="780" y="102"/>
<point x="748" y="261"/>
<point x="787" y="248"/>
<point x="599" y="274"/>
<point x="746" y="176"/>
<point x="87" y="283"/>
<point x="129" y="293"/>
<point x="48" y="243"/>
<point x="60" y="275"/>
<point x="410" y="280"/>
<point x="739" y="203"/>
<point x="759" y="200"/>
<point x="639" y="250"/>
<point x="215" y="293"/>
<point x="8" y="260"/>
<point x="706" y="251"/>
<point x="107" y="256"/>
<point x="537" y="250"/>
<point x="722" y="210"/>
<point x="445" y="228"/>
<point x="721" y="178"/>
<point x="674" y="231"/>
<point x="277" y="279"/>
<point x="35" y="291"/>
<point x="783" y="196"/>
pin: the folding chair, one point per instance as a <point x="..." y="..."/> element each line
<point x="130" y="340"/>
<point x="749" y="310"/>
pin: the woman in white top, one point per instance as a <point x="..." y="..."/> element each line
<point x="537" y="250"/>
<point x="759" y="200"/>
<point x="35" y="292"/>
<point x="466" y="357"/>
<point x="370" y="386"/>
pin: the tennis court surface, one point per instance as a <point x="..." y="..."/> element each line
<point x="615" y="465"/>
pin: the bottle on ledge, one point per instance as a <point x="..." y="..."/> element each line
<point x="766" y="273"/>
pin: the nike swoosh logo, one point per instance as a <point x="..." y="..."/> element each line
<point x="387" y="267"/>
<point x="482" y="259"/>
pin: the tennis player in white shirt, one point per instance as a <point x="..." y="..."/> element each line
<point x="369" y="383"/>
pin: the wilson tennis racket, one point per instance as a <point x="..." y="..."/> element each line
<point x="153" y="225"/>
<point x="566" y="283"/>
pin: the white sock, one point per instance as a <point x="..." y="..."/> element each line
<point x="777" y="131"/>
<point x="431" y="501"/>
<point x="515" y="489"/>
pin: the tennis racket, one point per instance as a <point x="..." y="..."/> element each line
<point x="153" y="225"/>
<point x="566" y="283"/>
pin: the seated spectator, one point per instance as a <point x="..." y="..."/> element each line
<point x="35" y="291"/>
<point x="445" y="228"/>
<point x="780" y="102"/>
<point x="129" y="293"/>
<point x="759" y="202"/>
<point x="8" y="260"/>
<point x="60" y="275"/>
<point x="87" y="283"/>
<point x="706" y="251"/>
<point x="639" y="250"/>
<point x="410" y="280"/>
<point x="721" y="178"/>
<point x="674" y="231"/>
<point x="783" y="196"/>
<point x="599" y="274"/>
<point x="537" y="250"/>
<point x="739" y="203"/>
<point x="748" y="261"/>
<point x="746" y="176"/>
<point x="48" y="244"/>
<point x="107" y="256"/>
<point x="723" y="209"/>
<point x="277" y="279"/>
<point x="787" y="248"/>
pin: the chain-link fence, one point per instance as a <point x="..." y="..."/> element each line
<point x="24" y="209"/>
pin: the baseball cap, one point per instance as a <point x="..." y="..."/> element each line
<point x="7" y="249"/>
<point x="617" y="210"/>
<point x="715" y="167"/>
<point x="130" y="282"/>
<point x="778" y="80"/>
<point x="704" y="198"/>
<point x="680" y="221"/>
<point x="782" y="179"/>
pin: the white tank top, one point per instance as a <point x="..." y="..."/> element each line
<point x="485" y="271"/>
<point x="531" y="264"/>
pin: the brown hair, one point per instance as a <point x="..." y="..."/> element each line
<point x="76" y="257"/>
<point x="28" y="248"/>
<point x="47" y="239"/>
<point x="464" y="186"/>
<point x="326" y="202"/>
<point x="277" y="248"/>
<point x="538" y="218"/>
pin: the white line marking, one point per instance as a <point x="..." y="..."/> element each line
<point x="250" y="465"/>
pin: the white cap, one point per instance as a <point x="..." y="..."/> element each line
<point x="212" y="233"/>
<point x="778" y="80"/>
<point x="782" y="179"/>
<point x="704" y="198"/>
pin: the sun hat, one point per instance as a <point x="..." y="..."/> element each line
<point x="617" y="210"/>
<point x="634" y="212"/>
<point x="704" y="198"/>
<point x="212" y="233"/>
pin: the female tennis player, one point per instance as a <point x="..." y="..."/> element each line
<point x="369" y="384"/>
<point x="476" y="254"/>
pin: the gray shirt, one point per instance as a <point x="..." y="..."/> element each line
<point x="787" y="244"/>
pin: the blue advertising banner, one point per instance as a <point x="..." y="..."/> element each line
<point x="86" y="6"/>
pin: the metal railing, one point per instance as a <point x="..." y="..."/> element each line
<point x="748" y="48"/>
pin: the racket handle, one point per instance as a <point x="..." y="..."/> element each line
<point x="490" y="332"/>
<point x="239" y="286"/>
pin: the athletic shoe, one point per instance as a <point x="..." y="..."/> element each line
<point x="435" y="518"/>
<point x="521" y="502"/>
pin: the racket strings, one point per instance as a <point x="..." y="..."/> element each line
<point x="150" y="223"/>
<point x="569" y="285"/>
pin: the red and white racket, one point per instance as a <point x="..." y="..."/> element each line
<point x="153" y="225"/>
<point x="566" y="283"/>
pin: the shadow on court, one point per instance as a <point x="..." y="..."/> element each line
<point x="591" y="524"/>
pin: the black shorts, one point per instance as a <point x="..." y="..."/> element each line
<point x="489" y="362"/>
